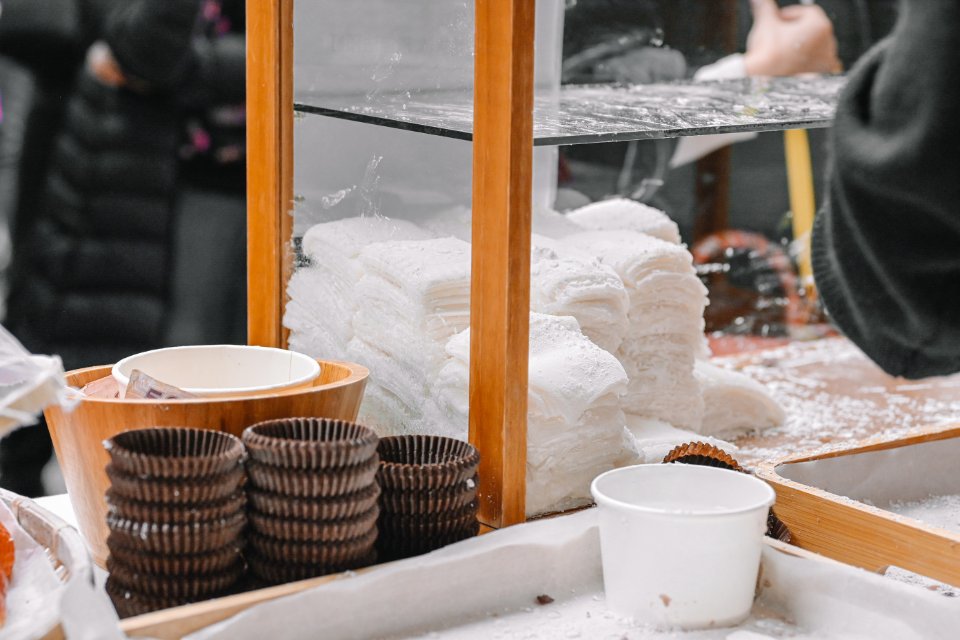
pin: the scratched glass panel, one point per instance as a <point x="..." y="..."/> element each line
<point x="377" y="208"/>
<point x="606" y="113"/>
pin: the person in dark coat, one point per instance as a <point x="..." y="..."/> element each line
<point x="138" y="239"/>
<point x="886" y="246"/>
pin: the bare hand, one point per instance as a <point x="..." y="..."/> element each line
<point x="792" y="40"/>
<point x="103" y="66"/>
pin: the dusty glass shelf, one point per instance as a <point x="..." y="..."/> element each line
<point x="608" y="113"/>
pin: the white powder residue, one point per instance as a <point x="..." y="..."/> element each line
<point x="936" y="511"/>
<point x="917" y="580"/>
<point x="586" y="616"/>
<point x="833" y="395"/>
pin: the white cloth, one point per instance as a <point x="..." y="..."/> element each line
<point x="734" y="403"/>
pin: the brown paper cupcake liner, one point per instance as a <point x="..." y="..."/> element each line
<point x="174" y="452"/>
<point x="174" y="538"/>
<point x="314" y="531"/>
<point x="210" y="562"/>
<point x="193" y="587"/>
<point x="427" y="525"/>
<point x="333" y="508"/>
<point x="327" y="554"/>
<point x="310" y="484"/>
<point x="173" y="491"/>
<point x="172" y="513"/>
<point x="419" y="463"/>
<point x="701" y="453"/>
<point x="776" y="528"/>
<point x="310" y="443"/>
<point x="278" y="573"/>
<point x="130" y="603"/>
<point x="395" y="548"/>
<point x="431" y="501"/>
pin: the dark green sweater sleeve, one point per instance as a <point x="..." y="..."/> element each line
<point x="886" y="246"/>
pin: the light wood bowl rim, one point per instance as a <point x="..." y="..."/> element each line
<point x="358" y="373"/>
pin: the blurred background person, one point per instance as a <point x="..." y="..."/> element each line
<point x="135" y="237"/>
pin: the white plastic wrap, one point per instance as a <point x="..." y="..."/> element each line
<point x="28" y="383"/>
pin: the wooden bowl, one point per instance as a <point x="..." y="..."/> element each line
<point x="78" y="434"/>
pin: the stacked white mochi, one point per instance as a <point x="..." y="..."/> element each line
<point x="322" y="297"/>
<point x="574" y="419"/>
<point x="666" y="303"/>
<point x="616" y="329"/>
<point x="416" y="296"/>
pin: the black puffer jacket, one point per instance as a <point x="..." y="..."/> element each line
<point x="91" y="282"/>
<point x="97" y="261"/>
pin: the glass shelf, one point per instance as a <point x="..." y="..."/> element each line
<point x="608" y="113"/>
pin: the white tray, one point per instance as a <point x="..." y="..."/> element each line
<point x="487" y="587"/>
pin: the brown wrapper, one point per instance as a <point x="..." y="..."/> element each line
<point x="175" y="514"/>
<point x="701" y="453"/>
<point x="174" y="452"/>
<point x="174" y="538"/>
<point x="431" y="501"/>
<point x="427" y="525"/>
<point x="314" y="531"/>
<point x="311" y="484"/>
<point x="310" y="443"/>
<point x="327" y="554"/>
<point x="395" y="548"/>
<point x="335" y="508"/>
<point x="193" y="587"/>
<point x="777" y="529"/>
<point x="211" y="562"/>
<point x="129" y="603"/>
<point x="423" y="463"/>
<point x="174" y="491"/>
<point x="277" y="573"/>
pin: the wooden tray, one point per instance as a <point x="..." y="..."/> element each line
<point x="860" y="534"/>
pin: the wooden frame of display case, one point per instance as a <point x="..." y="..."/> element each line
<point x="502" y="187"/>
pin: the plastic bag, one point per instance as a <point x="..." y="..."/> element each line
<point x="28" y="384"/>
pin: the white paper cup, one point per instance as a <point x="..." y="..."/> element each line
<point x="681" y="543"/>
<point x="221" y="370"/>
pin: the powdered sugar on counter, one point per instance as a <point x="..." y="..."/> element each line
<point x="833" y="395"/>
<point x="586" y="616"/>
<point x="936" y="511"/>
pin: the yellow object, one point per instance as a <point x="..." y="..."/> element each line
<point x="802" y="199"/>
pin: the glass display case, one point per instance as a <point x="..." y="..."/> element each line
<point x="402" y="178"/>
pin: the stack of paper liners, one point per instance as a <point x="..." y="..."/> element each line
<point x="666" y="322"/>
<point x="574" y="421"/>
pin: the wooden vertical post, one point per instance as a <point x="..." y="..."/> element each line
<point x="500" y="293"/>
<point x="269" y="165"/>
